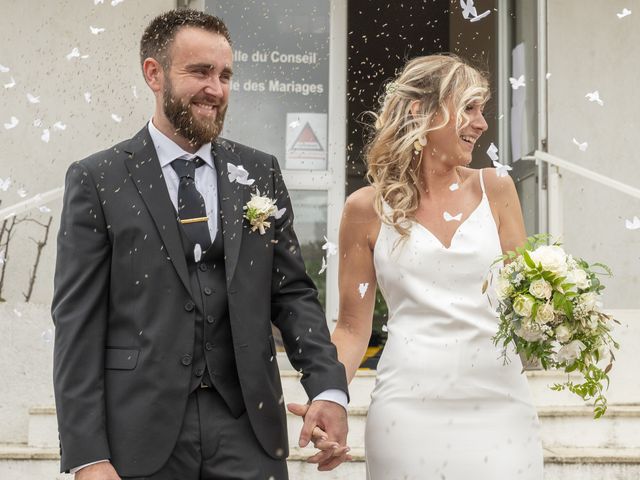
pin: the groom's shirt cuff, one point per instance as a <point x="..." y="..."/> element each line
<point x="333" y="395"/>
<point x="77" y="469"/>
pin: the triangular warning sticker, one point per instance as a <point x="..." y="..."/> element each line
<point x="307" y="140"/>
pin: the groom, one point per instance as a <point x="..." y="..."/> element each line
<point x="164" y="364"/>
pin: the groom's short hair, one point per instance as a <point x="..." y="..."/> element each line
<point x="159" y="34"/>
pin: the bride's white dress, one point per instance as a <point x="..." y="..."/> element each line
<point x="445" y="406"/>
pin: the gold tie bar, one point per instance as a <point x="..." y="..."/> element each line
<point x="193" y="220"/>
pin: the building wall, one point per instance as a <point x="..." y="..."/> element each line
<point x="590" y="48"/>
<point x="36" y="38"/>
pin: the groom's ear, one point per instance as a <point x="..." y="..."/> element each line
<point x="153" y="74"/>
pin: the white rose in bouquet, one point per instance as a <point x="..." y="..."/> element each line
<point x="563" y="333"/>
<point x="545" y="314"/>
<point x="551" y="257"/>
<point x="522" y="305"/>
<point x="503" y="288"/>
<point x="588" y="300"/>
<point x="570" y="352"/>
<point x="529" y="331"/>
<point x="578" y="277"/>
<point x="592" y="322"/>
<point x="540" y="289"/>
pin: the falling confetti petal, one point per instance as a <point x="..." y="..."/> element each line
<point x="330" y="247"/>
<point x="481" y="16"/>
<point x="22" y="192"/>
<point x="4" y="69"/>
<point x="323" y="267"/>
<point x="449" y="218"/>
<point x="385" y="328"/>
<point x="625" y="12"/>
<point x="116" y="2"/>
<point x="2" y="257"/>
<point x="44" y="209"/>
<point x="594" y="97"/>
<point x="134" y="90"/>
<point x="516" y="83"/>
<point x="632" y="224"/>
<point x="33" y="98"/>
<point x="501" y="169"/>
<point x="45" y="135"/>
<point x="197" y="252"/>
<point x="96" y="2"/>
<point x="87" y="97"/>
<point x="116" y="118"/>
<point x="294" y="124"/>
<point x="11" y="84"/>
<point x="492" y="151"/>
<point x="453" y="187"/>
<point x="47" y="335"/>
<point x="12" y="123"/>
<point x="96" y="30"/>
<point x="59" y="126"/>
<point x="547" y="76"/>
<point x="362" y="289"/>
<point x="5" y="184"/>
<point x="75" y="53"/>
<point x="17" y="312"/>
<point x="582" y="146"/>
<point x="278" y="215"/>
<point x="37" y="122"/>
<point x="468" y="9"/>
<point x="239" y="174"/>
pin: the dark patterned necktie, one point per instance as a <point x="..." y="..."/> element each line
<point x="192" y="211"/>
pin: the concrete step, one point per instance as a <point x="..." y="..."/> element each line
<point x="43" y="427"/>
<point x="20" y="462"/>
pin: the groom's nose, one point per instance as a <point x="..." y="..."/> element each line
<point x="214" y="87"/>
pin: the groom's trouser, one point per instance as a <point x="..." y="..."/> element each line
<point x="213" y="445"/>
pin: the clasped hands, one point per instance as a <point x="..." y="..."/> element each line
<point x="325" y="424"/>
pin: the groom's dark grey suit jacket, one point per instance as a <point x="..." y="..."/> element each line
<point x="122" y="329"/>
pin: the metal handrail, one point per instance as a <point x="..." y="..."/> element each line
<point x="31" y="203"/>
<point x="584" y="172"/>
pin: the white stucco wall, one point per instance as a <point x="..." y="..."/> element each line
<point x="36" y="38"/>
<point x="590" y="48"/>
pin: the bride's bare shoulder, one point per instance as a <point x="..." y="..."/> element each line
<point x="360" y="205"/>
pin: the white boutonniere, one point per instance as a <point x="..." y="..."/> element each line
<point x="258" y="210"/>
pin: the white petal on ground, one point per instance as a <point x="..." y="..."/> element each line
<point x="625" y="12"/>
<point x="37" y="122"/>
<point x="516" y="83"/>
<point x="116" y="2"/>
<point x="22" y="192"/>
<point x="492" y="151"/>
<point x="323" y="267"/>
<point x="13" y="123"/>
<point x="362" y="289"/>
<point x="33" y="98"/>
<point x="501" y="170"/>
<point x="95" y="2"/>
<point x="4" y="69"/>
<point x="5" y="184"/>
<point x="581" y="145"/>
<point x="87" y="97"/>
<point x="330" y="247"/>
<point x="44" y="209"/>
<point x="46" y="135"/>
<point x="594" y="97"/>
<point x="477" y="18"/>
<point x="633" y="224"/>
<point x="17" y="312"/>
<point x="47" y="335"/>
<point x="11" y="84"/>
<point x="453" y="187"/>
<point x="59" y="126"/>
<point x="96" y="30"/>
<point x="449" y="218"/>
<point x="116" y="118"/>
<point x="239" y="174"/>
<point x="2" y="257"/>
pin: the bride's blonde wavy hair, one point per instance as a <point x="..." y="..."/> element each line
<point x="393" y="168"/>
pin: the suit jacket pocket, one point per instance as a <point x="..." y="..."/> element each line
<point x="117" y="358"/>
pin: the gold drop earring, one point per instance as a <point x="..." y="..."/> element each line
<point x="419" y="144"/>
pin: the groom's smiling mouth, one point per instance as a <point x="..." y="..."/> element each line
<point x="206" y="109"/>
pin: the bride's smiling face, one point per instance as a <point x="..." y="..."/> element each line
<point x="453" y="145"/>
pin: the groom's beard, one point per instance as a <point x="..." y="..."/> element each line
<point x="197" y="132"/>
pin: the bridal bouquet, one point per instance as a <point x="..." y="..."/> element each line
<point x="548" y="306"/>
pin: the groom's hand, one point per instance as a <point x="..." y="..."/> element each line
<point x="325" y="423"/>
<point x="98" y="471"/>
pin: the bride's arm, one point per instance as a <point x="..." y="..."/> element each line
<point x="359" y="228"/>
<point x="504" y="201"/>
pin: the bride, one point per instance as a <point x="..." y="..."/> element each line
<point x="426" y="232"/>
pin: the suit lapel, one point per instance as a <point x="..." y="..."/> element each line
<point x="144" y="167"/>
<point x="232" y="197"/>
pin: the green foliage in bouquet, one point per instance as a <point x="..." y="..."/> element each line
<point x="549" y="310"/>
